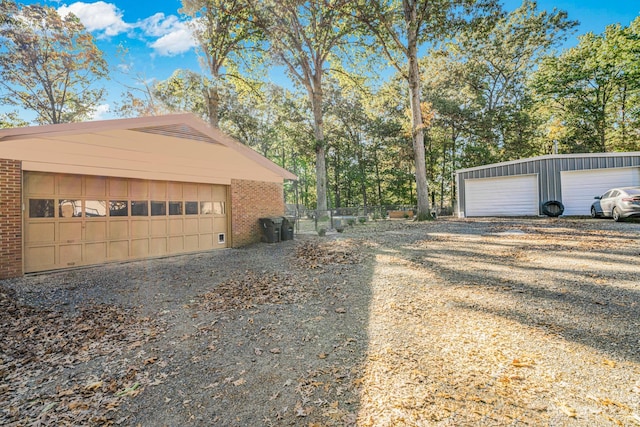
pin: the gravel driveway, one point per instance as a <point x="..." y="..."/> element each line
<point x="391" y="323"/>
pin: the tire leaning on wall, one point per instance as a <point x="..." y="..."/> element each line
<point x="552" y="208"/>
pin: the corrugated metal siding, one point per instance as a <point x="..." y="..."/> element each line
<point x="548" y="169"/>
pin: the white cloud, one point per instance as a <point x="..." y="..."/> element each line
<point x="174" y="36"/>
<point x="159" y="25"/>
<point x="101" y="112"/>
<point x="166" y="35"/>
<point x="99" y="16"/>
<point x="178" y="41"/>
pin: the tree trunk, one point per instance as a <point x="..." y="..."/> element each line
<point x="623" y="117"/>
<point x="443" y="173"/>
<point x="363" y="173"/>
<point x="417" y="128"/>
<point x="378" y="179"/>
<point x="318" y="130"/>
<point x="213" y="105"/>
<point x="336" y="177"/>
<point x="294" y="161"/>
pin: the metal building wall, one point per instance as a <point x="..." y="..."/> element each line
<point x="548" y="170"/>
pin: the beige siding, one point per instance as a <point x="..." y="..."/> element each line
<point x="133" y="154"/>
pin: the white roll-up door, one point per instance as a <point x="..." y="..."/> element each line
<point x="504" y="196"/>
<point x="580" y="187"/>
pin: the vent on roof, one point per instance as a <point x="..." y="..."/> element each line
<point x="177" y="131"/>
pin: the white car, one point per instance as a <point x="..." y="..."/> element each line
<point x="617" y="203"/>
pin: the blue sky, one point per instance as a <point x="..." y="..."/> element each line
<point x="158" y="39"/>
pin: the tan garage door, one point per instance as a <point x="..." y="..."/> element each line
<point x="74" y="220"/>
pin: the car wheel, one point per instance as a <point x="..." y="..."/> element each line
<point x="594" y="214"/>
<point x="616" y="215"/>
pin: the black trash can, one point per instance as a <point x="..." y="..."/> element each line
<point x="271" y="229"/>
<point x="287" y="228"/>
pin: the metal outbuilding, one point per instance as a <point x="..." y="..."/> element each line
<point x="522" y="187"/>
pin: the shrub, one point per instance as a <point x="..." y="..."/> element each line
<point x="322" y="232"/>
<point x="362" y="220"/>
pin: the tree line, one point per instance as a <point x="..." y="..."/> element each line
<point x="387" y="98"/>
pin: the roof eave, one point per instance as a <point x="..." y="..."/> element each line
<point x="145" y="122"/>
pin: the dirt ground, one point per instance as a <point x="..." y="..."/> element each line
<point x="485" y="322"/>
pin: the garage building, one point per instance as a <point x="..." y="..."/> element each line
<point x="521" y="187"/>
<point x="87" y="193"/>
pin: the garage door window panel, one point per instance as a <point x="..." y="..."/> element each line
<point x="206" y="208"/>
<point x="191" y="208"/>
<point x="218" y="208"/>
<point x="175" y="208"/>
<point x="95" y="208"/>
<point x="68" y="208"/>
<point x="41" y="208"/>
<point x="118" y="208"/>
<point x="158" y="208"/>
<point x="139" y="208"/>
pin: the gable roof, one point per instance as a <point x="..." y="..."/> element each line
<point x="181" y="126"/>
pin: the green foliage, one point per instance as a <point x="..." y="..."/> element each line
<point x="353" y="138"/>
<point x="11" y="120"/>
<point x="484" y="76"/>
<point x="227" y="32"/>
<point x="48" y="64"/>
<point x="322" y="232"/>
<point x="184" y="91"/>
<point x="398" y="29"/>
<point x="589" y="94"/>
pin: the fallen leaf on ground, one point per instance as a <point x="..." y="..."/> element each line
<point x="151" y="360"/>
<point x="130" y="391"/>
<point x="568" y="411"/>
<point x="93" y="386"/>
<point x="522" y="363"/>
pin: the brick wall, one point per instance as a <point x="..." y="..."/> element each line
<point x="10" y="218"/>
<point x="251" y="200"/>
